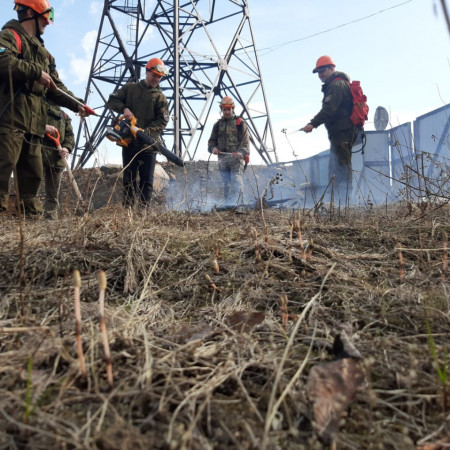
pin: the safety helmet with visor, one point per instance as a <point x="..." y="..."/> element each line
<point x="322" y="62"/>
<point x="227" y="102"/>
<point x="40" y="7"/>
<point x="156" y="66"/>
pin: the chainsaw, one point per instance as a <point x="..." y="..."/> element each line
<point x="123" y="132"/>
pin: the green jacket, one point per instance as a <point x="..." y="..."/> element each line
<point x="337" y="105"/>
<point x="60" y="120"/>
<point x="21" y="95"/>
<point x="149" y="106"/>
<point x="229" y="137"/>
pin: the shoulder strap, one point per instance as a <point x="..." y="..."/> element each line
<point x="239" y="128"/>
<point x="18" y="40"/>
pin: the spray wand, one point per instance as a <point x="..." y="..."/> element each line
<point x="89" y="111"/>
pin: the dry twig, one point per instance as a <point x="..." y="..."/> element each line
<point x="101" y="311"/>
<point x="77" y="304"/>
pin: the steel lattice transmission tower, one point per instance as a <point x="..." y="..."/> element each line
<point x="209" y="48"/>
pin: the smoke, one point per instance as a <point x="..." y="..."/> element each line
<point x="199" y="188"/>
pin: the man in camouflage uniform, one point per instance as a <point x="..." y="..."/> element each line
<point x="230" y="141"/>
<point x="52" y="159"/>
<point x="26" y="75"/>
<point x="145" y="101"/>
<point x="337" y="105"/>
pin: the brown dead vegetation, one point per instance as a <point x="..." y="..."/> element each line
<point x="214" y="323"/>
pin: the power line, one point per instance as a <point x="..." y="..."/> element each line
<point x="272" y="49"/>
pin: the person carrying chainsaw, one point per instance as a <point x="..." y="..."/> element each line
<point x="229" y="140"/>
<point x="27" y="74"/>
<point x="337" y="105"/>
<point x="52" y="158"/>
<point x="145" y="101"/>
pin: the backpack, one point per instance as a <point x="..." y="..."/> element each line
<point x="360" y="107"/>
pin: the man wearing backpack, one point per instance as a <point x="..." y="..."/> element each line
<point x="27" y="75"/>
<point x="229" y="140"/>
<point x="337" y="106"/>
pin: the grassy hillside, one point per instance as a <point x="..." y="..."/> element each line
<point x="215" y="322"/>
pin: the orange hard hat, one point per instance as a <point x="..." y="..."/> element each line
<point x="157" y="66"/>
<point x="324" y="61"/>
<point x="42" y="7"/>
<point x="227" y="102"/>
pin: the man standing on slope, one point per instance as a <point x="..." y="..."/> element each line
<point x="145" y="101"/>
<point x="26" y="76"/>
<point x="52" y="158"/>
<point x="337" y="105"/>
<point x="229" y="140"/>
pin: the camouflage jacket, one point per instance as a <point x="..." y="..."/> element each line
<point x="229" y="137"/>
<point x="337" y="105"/>
<point x="149" y="106"/>
<point x="21" y="95"/>
<point x="60" y="120"/>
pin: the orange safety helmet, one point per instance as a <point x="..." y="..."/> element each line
<point x="324" y="61"/>
<point x="42" y="7"/>
<point x="227" y="102"/>
<point x="157" y="66"/>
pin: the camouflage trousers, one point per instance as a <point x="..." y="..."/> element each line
<point x="23" y="152"/>
<point x="231" y="169"/>
<point x="52" y="178"/>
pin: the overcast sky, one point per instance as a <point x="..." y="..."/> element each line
<point x="399" y="50"/>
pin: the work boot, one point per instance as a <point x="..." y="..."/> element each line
<point x="51" y="215"/>
<point x="31" y="205"/>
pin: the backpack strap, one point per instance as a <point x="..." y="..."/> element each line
<point x="18" y="40"/>
<point x="239" y="129"/>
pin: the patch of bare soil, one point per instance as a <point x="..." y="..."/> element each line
<point x="222" y="329"/>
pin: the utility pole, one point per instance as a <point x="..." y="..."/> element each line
<point x="209" y="47"/>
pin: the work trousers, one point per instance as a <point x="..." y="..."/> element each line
<point x="21" y="151"/>
<point x="340" y="165"/>
<point x="142" y="162"/>
<point x="231" y="169"/>
<point x="52" y="178"/>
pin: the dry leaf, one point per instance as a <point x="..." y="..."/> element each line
<point x="332" y="387"/>
<point x="245" y="321"/>
<point x="187" y="333"/>
<point x="440" y="445"/>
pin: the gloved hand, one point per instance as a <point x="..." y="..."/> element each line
<point x="89" y="111"/>
<point x="85" y="111"/>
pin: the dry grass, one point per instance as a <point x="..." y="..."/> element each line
<point x="185" y="375"/>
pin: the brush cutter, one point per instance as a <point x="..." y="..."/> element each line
<point x="57" y="142"/>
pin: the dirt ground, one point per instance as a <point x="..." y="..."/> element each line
<point x="268" y="329"/>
